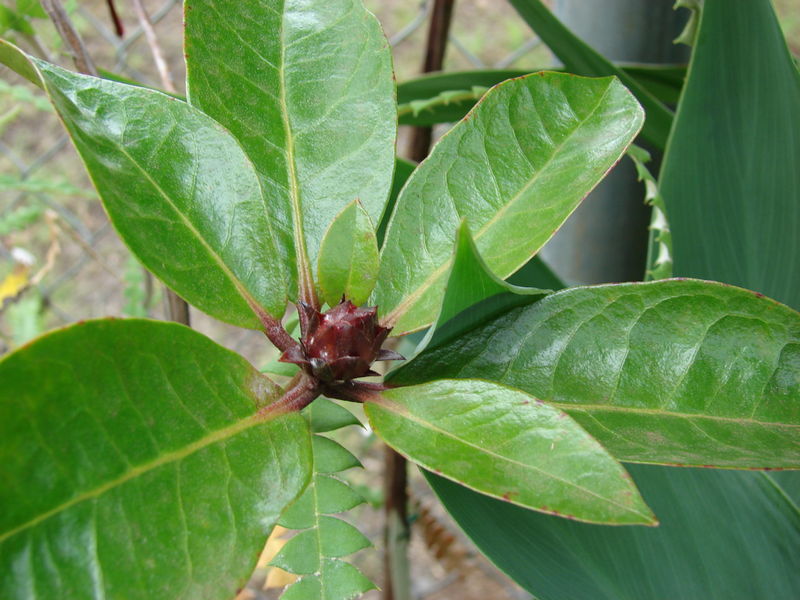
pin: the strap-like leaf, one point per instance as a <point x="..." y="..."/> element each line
<point x="178" y="188"/>
<point x="730" y="178"/>
<point x="724" y="535"/>
<point x="131" y="456"/>
<point x="307" y="88"/>
<point x="447" y="97"/>
<point x="515" y="168"/>
<point x="504" y="443"/>
<point x="676" y="371"/>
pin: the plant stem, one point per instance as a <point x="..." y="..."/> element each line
<point x="67" y="31"/>
<point x="397" y="531"/>
<point x="275" y="332"/>
<point x="301" y="392"/>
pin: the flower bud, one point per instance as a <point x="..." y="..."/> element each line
<point x="341" y="344"/>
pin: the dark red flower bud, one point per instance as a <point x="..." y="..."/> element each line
<point x="341" y="344"/>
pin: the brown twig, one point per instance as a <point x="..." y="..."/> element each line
<point x="119" y="29"/>
<point x="67" y="31"/>
<point x="155" y="48"/>
<point x="441" y="17"/>
<point x="396" y="528"/>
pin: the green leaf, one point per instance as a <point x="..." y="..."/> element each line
<point x="131" y="455"/>
<point x="746" y="152"/>
<point x="337" y="581"/>
<point x="348" y="257"/>
<point x="179" y="190"/>
<point x="730" y="178"/>
<point x="665" y="82"/>
<point x="506" y="444"/>
<point x="515" y="168"/>
<point x="581" y="59"/>
<point x="332" y="457"/>
<point x="31" y="8"/>
<point x="724" y="535"/>
<point x="471" y="283"/>
<point x="677" y="371"/>
<point x="314" y="104"/>
<point x="14" y="21"/>
<point x="326" y="415"/>
<point x="315" y="551"/>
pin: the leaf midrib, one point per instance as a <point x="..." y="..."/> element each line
<point x="391" y="405"/>
<point x="402" y="308"/>
<point x="304" y="277"/>
<point x="169" y="457"/>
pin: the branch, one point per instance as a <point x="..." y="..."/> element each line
<point x="83" y="62"/>
<point x="155" y="49"/>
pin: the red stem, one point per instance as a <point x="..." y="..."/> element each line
<point x="295" y="399"/>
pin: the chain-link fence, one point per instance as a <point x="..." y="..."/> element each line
<point x="60" y="261"/>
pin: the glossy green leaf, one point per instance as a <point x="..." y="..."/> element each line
<point x="724" y="535"/>
<point x="507" y="444"/>
<point x="730" y="177"/>
<point x="314" y="103"/>
<point x="514" y="168"/>
<point x="472" y="293"/>
<point x="136" y="467"/>
<point x="745" y="141"/>
<point x="348" y="257"/>
<point x="677" y="372"/>
<point x="178" y="189"/>
<point x="581" y="59"/>
<point x="711" y="523"/>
